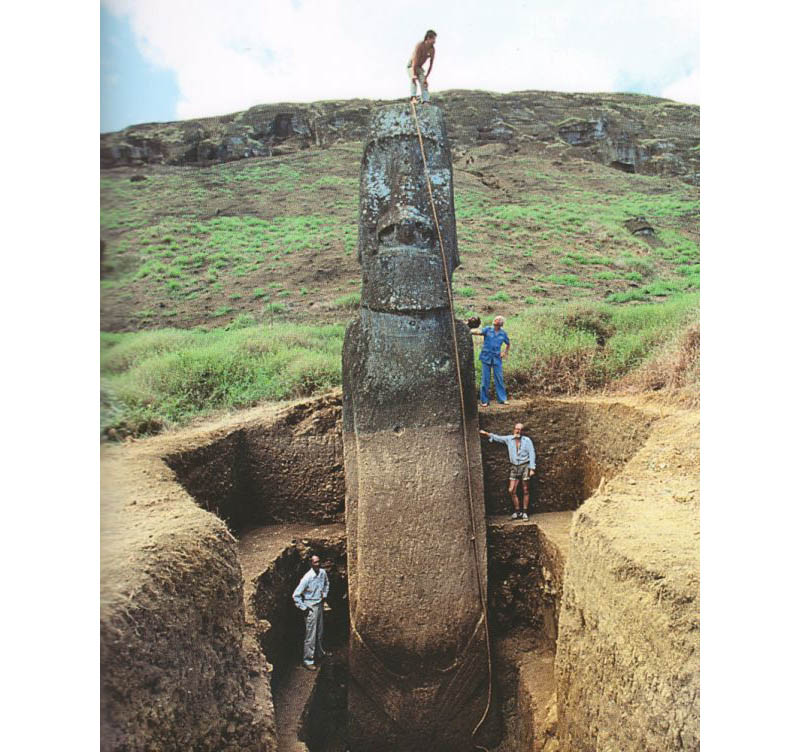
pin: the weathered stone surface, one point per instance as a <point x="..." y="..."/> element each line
<point x="418" y="662"/>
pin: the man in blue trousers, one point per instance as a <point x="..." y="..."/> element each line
<point x="491" y="359"/>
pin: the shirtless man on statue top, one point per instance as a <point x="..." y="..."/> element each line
<point x="423" y="51"/>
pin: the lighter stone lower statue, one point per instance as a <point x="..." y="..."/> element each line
<point x="418" y="654"/>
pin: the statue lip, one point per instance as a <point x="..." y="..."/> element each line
<point x="405" y="249"/>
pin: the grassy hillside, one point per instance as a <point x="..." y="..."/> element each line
<point x="260" y="255"/>
<point x="166" y="377"/>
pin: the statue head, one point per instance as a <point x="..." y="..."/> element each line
<point x="398" y="246"/>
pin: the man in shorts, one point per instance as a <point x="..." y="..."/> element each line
<point x="423" y="51"/>
<point x="522" y="456"/>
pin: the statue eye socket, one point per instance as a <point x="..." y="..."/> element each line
<point x="386" y="233"/>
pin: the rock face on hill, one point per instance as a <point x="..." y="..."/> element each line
<point x="631" y="132"/>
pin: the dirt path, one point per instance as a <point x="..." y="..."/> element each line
<point x="291" y="697"/>
<point x="554" y="525"/>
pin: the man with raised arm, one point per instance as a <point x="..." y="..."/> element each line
<point x="522" y="457"/>
<point x="491" y="357"/>
<point x="423" y="51"/>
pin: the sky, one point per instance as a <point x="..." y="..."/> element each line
<point x="163" y="60"/>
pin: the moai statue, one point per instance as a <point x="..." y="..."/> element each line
<point x="418" y="654"/>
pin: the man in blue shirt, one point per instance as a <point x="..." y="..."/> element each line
<point x="522" y="456"/>
<point x="491" y="359"/>
<point x="308" y="597"/>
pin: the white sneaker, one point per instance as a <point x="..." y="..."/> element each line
<point x="524" y="516"/>
<point x="515" y="516"/>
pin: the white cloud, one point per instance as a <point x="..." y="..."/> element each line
<point x="686" y="89"/>
<point x="231" y="56"/>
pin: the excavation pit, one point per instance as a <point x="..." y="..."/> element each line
<point x="291" y="469"/>
<point x="526" y="562"/>
<point x="276" y="478"/>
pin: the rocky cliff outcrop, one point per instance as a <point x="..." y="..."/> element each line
<point x="631" y="132"/>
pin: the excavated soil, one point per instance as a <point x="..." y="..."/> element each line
<point x="197" y="626"/>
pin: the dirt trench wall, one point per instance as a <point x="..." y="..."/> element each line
<point x="290" y="468"/>
<point x="627" y="662"/>
<point x="295" y="466"/>
<point x="178" y="668"/>
<point x="281" y="627"/>
<point x="576" y="445"/>
<point x="285" y="469"/>
<point x="215" y="474"/>
<point x="525" y="579"/>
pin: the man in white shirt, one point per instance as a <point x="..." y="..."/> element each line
<point x="308" y="597"/>
<point x="522" y="457"/>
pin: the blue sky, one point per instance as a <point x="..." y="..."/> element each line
<point x="177" y="59"/>
<point x="132" y="90"/>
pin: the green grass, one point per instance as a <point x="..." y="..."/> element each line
<point x="237" y="244"/>
<point x="569" y="280"/>
<point x="272" y="309"/>
<point x="553" y="352"/>
<point x="169" y="376"/>
<point x="351" y="301"/>
<point x="561" y="234"/>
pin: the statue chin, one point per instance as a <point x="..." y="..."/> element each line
<point x="404" y="279"/>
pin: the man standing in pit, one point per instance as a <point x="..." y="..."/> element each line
<point x="423" y="51"/>
<point x="491" y="359"/>
<point x="522" y="456"/>
<point x="308" y="597"/>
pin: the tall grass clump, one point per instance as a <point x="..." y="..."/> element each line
<point x="568" y="348"/>
<point x="162" y="378"/>
<point x="350" y="301"/>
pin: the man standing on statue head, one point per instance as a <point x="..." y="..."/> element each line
<point x="308" y="597"/>
<point x="522" y="457"/>
<point x="491" y="358"/>
<point x="423" y="51"/>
